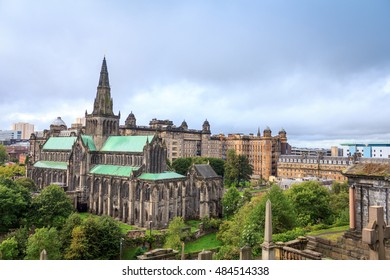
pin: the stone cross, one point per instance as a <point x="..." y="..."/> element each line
<point x="268" y="246"/>
<point x="43" y="255"/>
<point x="375" y="233"/>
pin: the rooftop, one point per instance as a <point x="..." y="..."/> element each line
<point x="369" y="169"/>
<point x="114" y="170"/>
<point x="205" y="171"/>
<point x="160" y="176"/>
<point x="51" y="164"/>
<point x="59" y="143"/>
<point x="133" y="144"/>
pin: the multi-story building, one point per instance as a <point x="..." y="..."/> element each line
<point x="6" y="135"/>
<point x="311" y="152"/>
<point x="323" y="167"/>
<point x="262" y="150"/>
<point x="26" y="128"/>
<point x="377" y="150"/>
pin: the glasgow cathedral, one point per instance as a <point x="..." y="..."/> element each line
<point x="125" y="177"/>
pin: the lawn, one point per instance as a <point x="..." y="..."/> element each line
<point x="194" y="224"/>
<point x="206" y="242"/>
<point x="330" y="233"/>
<point x="329" y="230"/>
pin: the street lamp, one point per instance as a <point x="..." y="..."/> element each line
<point x="150" y="227"/>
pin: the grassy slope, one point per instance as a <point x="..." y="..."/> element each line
<point x="206" y="242"/>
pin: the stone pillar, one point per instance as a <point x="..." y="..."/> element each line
<point x="183" y="256"/>
<point x="141" y="207"/>
<point x="109" y="200"/>
<point x="205" y="255"/>
<point x="131" y="203"/>
<point x="279" y="250"/>
<point x="375" y="233"/>
<point x="119" y="198"/>
<point x="352" y="213"/>
<point x="268" y="246"/>
<point x="100" y="199"/>
<point x="246" y="253"/>
<point x="43" y="255"/>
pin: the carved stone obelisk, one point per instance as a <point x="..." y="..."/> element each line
<point x="268" y="252"/>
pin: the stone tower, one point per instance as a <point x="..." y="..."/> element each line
<point x="102" y="122"/>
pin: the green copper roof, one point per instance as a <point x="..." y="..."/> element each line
<point x="133" y="144"/>
<point x="51" y="164"/>
<point x="160" y="176"/>
<point x="115" y="170"/>
<point x="59" y="143"/>
<point x="88" y="141"/>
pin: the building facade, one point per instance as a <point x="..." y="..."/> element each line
<point x="262" y="151"/>
<point x="26" y="128"/>
<point x="123" y="176"/>
<point x="7" y="135"/>
<point x="378" y="150"/>
<point x="323" y="167"/>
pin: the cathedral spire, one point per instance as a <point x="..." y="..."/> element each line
<point x="103" y="100"/>
<point x="103" y="81"/>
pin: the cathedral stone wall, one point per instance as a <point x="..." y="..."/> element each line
<point x="123" y="175"/>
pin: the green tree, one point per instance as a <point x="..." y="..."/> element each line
<point x="338" y="187"/>
<point x="246" y="196"/>
<point x="238" y="170"/>
<point x="15" y="201"/>
<point x="9" y="249"/>
<point x="175" y="234"/>
<point x="311" y="202"/>
<point x="230" y="232"/>
<point x="339" y="197"/>
<point x="283" y="216"/>
<point x="71" y="222"/>
<point x="231" y="201"/>
<point x="181" y="165"/>
<point x="3" y="154"/>
<point x="51" y="207"/>
<point x="28" y="183"/>
<point x="44" y="238"/>
<point x="78" y="248"/>
<point x="97" y="238"/>
<point x="12" y="171"/>
<point x="21" y="236"/>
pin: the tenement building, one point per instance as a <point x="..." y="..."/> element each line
<point x="109" y="171"/>
<point x="262" y="151"/>
<point x="323" y="167"/>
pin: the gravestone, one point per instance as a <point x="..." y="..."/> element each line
<point x="376" y="233"/>
<point x="205" y="255"/>
<point x="246" y="253"/>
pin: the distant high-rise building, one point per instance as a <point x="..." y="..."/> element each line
<point x="25" y="128"/>
<point x="10" y="135"/>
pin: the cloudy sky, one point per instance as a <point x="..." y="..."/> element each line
<point x="318" y="69"/>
